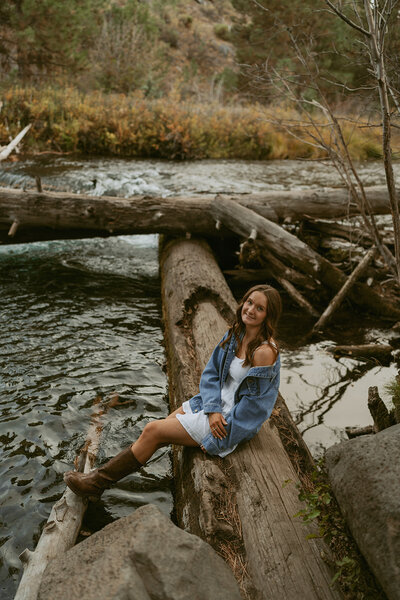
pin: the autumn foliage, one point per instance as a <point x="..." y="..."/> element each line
<point x="68" y="120"/>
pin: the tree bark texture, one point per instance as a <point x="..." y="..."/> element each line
<point x="242" y="505"/>
<point x="290" y="249"/>
<point x="54" y="215"/>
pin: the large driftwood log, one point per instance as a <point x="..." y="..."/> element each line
<point x="290" y="249"/>
<point x="239" y="504"/>
<point x="57" y="215"/>
<point x="52" y="215"/>
<point x="65" y="520"/>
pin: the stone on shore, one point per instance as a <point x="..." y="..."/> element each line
<point x="140" y="557"/>
<point x="365" y="477"/>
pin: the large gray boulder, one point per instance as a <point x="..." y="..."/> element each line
<point x="140" y="557"/>
<point x="365" y="477"/>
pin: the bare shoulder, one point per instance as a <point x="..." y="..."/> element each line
<point x="264" y="356"/>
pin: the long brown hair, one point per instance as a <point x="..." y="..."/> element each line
<point x="268" y="326"/>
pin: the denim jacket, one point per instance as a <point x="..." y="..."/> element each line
<point x="254" y="398"/>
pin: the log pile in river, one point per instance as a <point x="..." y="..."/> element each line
<point x="263" y="220"/>
<point x="244" y="504"/>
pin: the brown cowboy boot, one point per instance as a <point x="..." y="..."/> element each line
<point x="93" y="484"/>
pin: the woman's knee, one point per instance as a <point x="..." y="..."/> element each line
<point x="152" y="431"/>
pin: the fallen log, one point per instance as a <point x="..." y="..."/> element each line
<point x="290" y="249"/>
<point x="377" y="352"/>
<point x="5" y="152"/>
<point x="350" y="232"/>
<point x="242" y="505"/>
<point x="65" y="520"/>
<point x="55" y="215"/>
<point x="296" y="277"/>
<point x="320" y="203"/>
<point x="342" y="293"/>
<point x="249" y="276"/>
<point x="296" y="296"/>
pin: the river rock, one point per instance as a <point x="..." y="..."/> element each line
<point x="365" y="477"/>
<point x="140" y="557"/>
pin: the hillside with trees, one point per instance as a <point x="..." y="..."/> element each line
<point x="172" y="78"/>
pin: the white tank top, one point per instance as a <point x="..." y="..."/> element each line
<point x="235" y="376"/>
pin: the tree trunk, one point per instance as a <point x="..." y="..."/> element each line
<point x="55" y="215"/>
<point x="290" y="249"/>
<point x="242" y="505"/>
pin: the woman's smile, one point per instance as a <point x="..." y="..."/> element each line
<point x="254" y="309"/>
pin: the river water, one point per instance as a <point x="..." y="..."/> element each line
<point x="81" y="322"/>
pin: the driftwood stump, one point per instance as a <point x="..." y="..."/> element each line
<point x="380" y="414"/>
<point x="242" y="505"/>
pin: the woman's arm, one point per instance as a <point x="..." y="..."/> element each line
<point x="210" y="384"/>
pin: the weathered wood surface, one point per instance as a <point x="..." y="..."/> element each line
<point x="296" y="253"/>
<point x="239" y="504"/>
<point x="296" y="296"/>
<point x="54" y="215"/>
<point x="65" y="520"/>
<point x="6" y="151"/>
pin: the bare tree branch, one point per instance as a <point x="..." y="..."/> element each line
<point x="340" y="14"/>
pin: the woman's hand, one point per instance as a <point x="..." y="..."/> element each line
<point x="217" y="422"/>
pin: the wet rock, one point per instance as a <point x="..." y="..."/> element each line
<point x="365" y="477"/>
<point x="140" y="557"/>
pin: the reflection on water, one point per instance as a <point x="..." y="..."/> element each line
<point x="79" y="320"/>
<point x="326" y="395"/>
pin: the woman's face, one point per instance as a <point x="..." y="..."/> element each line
<point x="254" y="310"/>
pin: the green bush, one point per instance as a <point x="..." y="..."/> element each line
<point x="222" y="31"/>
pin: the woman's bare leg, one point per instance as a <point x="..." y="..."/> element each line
<point x="178" y="411"/>
<point x="160" y="433"/>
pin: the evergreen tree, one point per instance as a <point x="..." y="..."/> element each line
<point x="42" y="36"/>
<point x="266" y="35"/>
